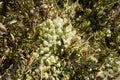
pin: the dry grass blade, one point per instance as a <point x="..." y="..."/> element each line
<point x="2" y="27"/>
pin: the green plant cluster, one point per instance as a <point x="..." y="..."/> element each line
<point x="59" y="39"/>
